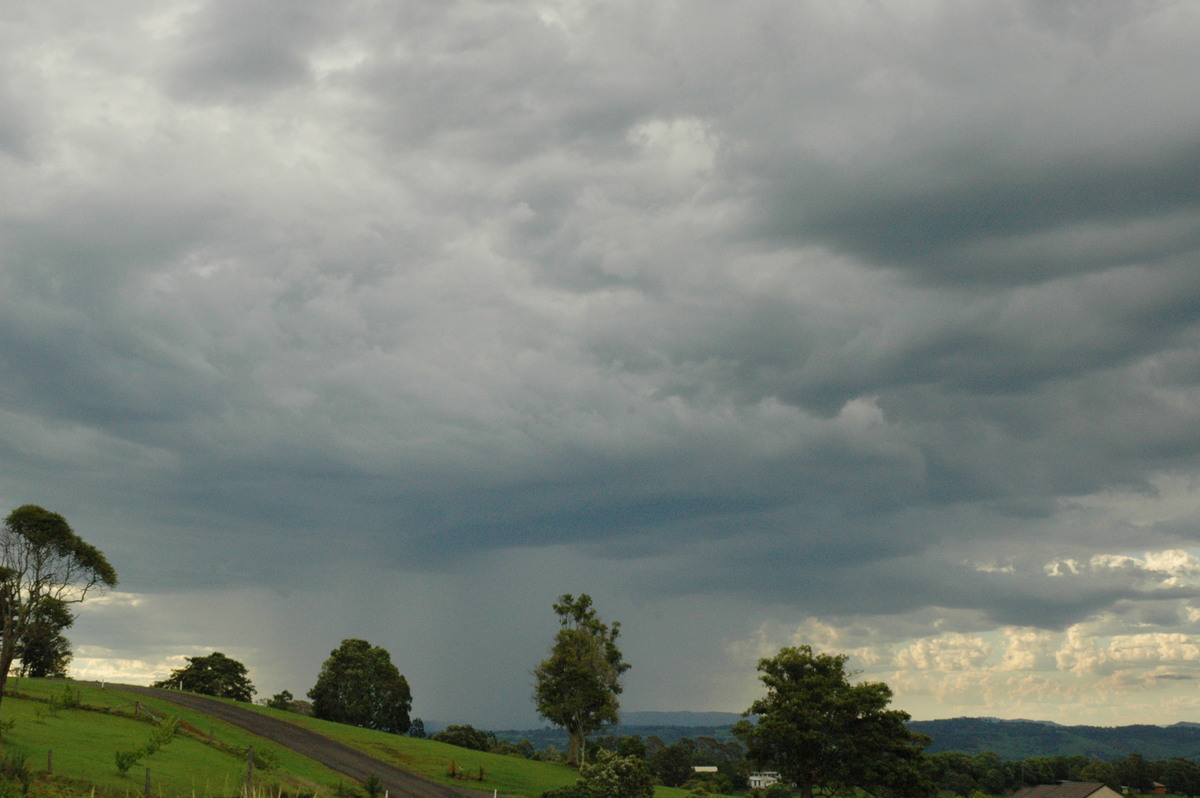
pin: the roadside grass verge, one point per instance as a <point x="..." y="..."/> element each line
<point x="511" y="775"/>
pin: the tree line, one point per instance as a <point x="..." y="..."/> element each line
<point x="966" y="775"/>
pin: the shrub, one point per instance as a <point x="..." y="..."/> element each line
<point x="464" y="736"/>
<point x="609" y="775"/>
<point x="15" y="769"/>
<point x="126" y="760"/>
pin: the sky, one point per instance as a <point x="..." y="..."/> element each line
<point x="861" y="324"/>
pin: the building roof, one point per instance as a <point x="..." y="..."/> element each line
<point x="1064" y="789"/>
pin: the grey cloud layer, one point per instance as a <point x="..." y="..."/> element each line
<point x="811" y="291"/>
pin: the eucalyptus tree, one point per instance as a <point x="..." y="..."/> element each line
<point x="578" y="684"/>
<point x="42" y="561"/>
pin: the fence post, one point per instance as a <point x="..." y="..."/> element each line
<point x="249" y="769"/>
<point x="146" y="790"/>
<point x="50" y="761"/>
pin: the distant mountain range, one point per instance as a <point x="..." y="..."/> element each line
<point x="1021" y="739"/>
<point x="679" y="718"/>
<point x="1009" y="739"/>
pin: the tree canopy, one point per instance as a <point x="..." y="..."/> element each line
<point x="43" y="649"/>
<point x="216" y="675"/>
<point x="578" y="684"/>
<point x="819" y="730"/>
<point x="42" y="560"/>
<point x="360" y="686"/>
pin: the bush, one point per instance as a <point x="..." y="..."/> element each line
<point x="464" y="736"/>
<point x="609" y="775"/>
<point x="126" y="760"/>
<point x="15" y="768"/>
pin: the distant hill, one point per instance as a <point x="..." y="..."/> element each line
<point x="679" y="718"/>
<point x="1009" y="739"/>
<point x="686" y="724"/>
<point x="1021" y="739"/>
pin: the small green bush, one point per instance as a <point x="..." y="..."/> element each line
<point x="126" y="760"/>
<point x="15" y="770"/>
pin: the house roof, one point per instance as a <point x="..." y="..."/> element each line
<point x="1064" y="789"/>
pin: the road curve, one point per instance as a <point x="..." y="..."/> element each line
<point x="332" y="754"/>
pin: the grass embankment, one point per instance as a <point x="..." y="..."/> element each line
<point x="84" y="742"/>
<point x="510" y="775"/>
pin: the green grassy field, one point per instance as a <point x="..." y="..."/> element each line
<point x="82" y="743"/>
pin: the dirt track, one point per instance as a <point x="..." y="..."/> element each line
<point x="335" y="755"/>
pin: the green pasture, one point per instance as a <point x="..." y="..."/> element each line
<point x="510" y="775"/>
<point x="85" y="740"/>
<point x="81" y="745"/>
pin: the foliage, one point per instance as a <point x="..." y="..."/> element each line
<point x="632" y="745"/>
<point x="1103" y="772"/>
<point x="1024" y="740"/>
<point x="215" y="675"/>
<point x="67" y="699"/>
<point x="360" y="686"/>
<point x="43" y="649"/>
<point x="464" y="736"/>
<point x="985" y="773"/>
<point x="672" y="764"/>
<point x="42" y="561"/>
<point x="416" y="729"/>
<point x="126" y="759"/>
<point x="609" y="775"/>
<point x="283" y="700"/>
<point x="163" y="733"/>
<point x="15" y="769"/>
<point x="819" y="730"/>
<point x="578" y="684"/>
<point x="1181" y="776"/>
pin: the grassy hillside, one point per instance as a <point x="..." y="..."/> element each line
<point x="81" y="745"/>
<point x="84" y="742"/>
<point x="508" y="774"/>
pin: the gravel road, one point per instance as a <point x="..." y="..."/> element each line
<point x="335" y="755"/>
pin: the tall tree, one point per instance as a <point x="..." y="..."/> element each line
<point x="578" y="684"/>
<point x="42" y="559"/>
<point x="819" y="730"/>
<point x="360" y="686"/>
<point x="216" y="675"/>
<point x="43" y="649"/>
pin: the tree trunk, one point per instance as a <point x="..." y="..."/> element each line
<point x="8" y="652"/>
<point x="576" y="744"/>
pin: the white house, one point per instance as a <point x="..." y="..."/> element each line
<point x="763" y="779"/>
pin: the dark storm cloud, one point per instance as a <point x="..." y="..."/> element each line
<point x="834" y="310"/>
<point x="1001" y="223"/>
<point x="242" y="51"/>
